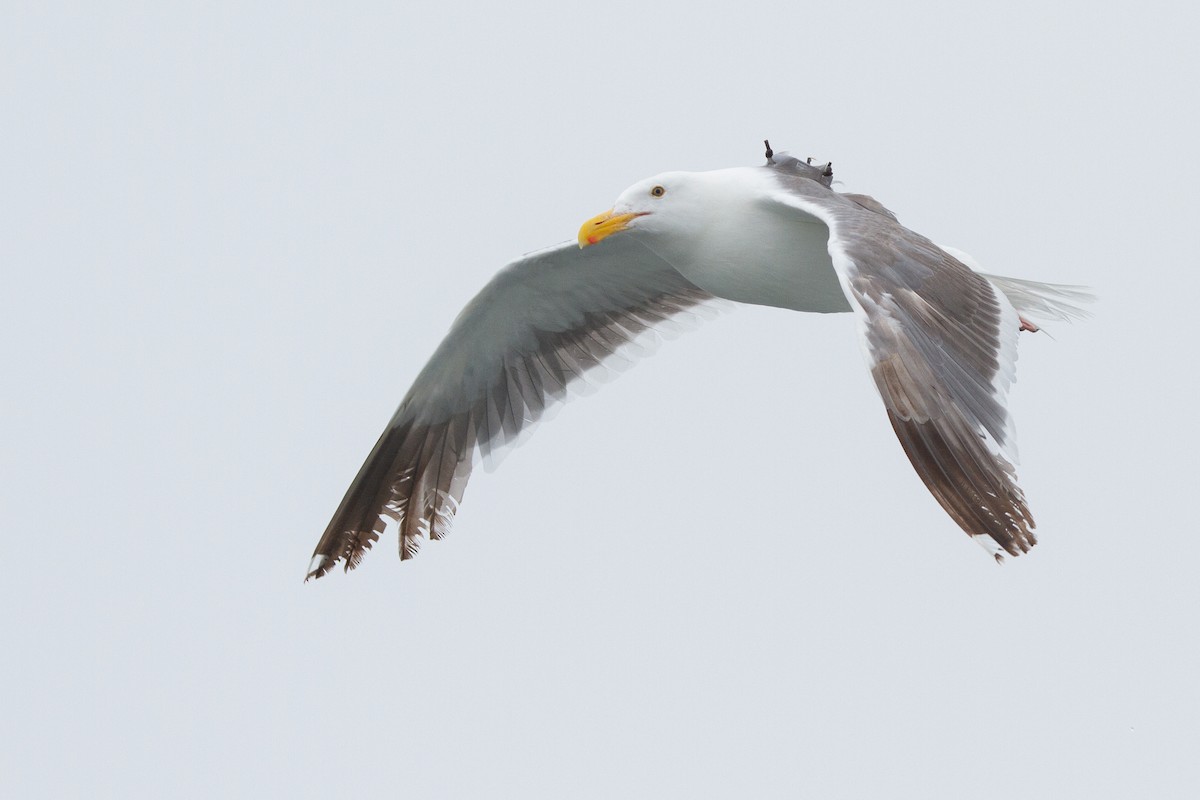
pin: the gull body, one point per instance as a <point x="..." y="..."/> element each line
<point x="746" y="248"/>
<point x="940" y="341"/>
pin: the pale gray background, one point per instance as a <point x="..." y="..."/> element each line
<point x="231" y="236"/>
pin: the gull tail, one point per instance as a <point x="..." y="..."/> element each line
<point x="1045" y="300"/>
<point x="1040" y="301"/>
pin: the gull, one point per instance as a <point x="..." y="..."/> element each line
<point x="940" y="340"/>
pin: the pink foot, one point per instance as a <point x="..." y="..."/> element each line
<point x="1026" y="325"/>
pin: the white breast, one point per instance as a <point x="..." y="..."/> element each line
<point x="752" y="250"/>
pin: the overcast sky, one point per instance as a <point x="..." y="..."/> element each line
<point x="232" y="235"/>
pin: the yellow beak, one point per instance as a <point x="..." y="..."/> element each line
<point x="604" y="225"/>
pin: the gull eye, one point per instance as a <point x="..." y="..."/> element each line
<point x="658" y="191"/>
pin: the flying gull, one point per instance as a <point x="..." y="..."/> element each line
<point x="940" y="340"/>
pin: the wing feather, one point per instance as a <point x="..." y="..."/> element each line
<point x="516" y="350"/>
<point x="940" y="341"/>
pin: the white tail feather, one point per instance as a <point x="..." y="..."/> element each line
<point x="1032" y="298"/>
<point x="1044" y="300"/>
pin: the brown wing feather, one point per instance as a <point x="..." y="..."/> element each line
<point x="932" y="330"/>
<point x="934" y="343"/>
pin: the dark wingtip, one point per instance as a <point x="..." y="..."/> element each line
<point x="318" y="566"/>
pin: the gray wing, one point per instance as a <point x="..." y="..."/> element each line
<point x="941" y="344"/>
<point x="538" y="326"/>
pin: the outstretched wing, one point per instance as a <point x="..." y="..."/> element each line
<point x="539" y="325"/>
<point x="941" y="342"/>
